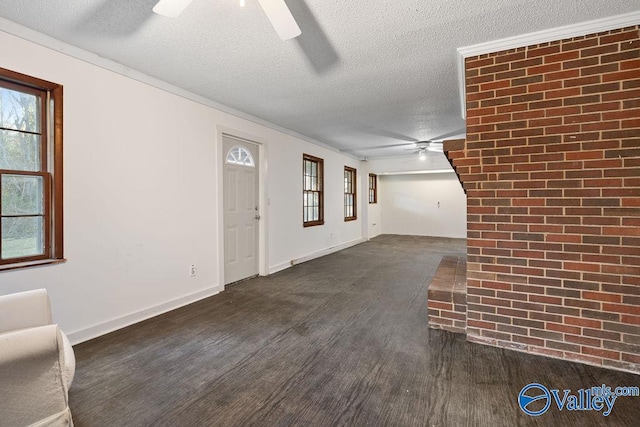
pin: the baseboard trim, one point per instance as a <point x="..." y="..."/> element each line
<point x="82" y="335"/>
<point x="284" y="265"/>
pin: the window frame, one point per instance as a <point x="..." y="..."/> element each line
<point x="320" y="185"/>
<point x="51" y="167"/>
<point x="373" y="189"/>
<point x="352" y="173"/>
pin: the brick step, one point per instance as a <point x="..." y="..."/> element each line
<point x="447" y="295"/>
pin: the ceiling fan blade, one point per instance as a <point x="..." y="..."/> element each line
<point x="171" y="8"/>
<point x="281" y="18"/>
<point x="435" y="147"/>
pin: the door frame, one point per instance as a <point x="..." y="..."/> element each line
<point x="263" y="259"/>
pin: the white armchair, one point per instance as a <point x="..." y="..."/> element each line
<point x="37" y="363"/>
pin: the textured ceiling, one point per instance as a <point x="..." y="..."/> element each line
<point x="367" y="77"/>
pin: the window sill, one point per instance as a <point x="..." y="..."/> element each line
<point x="352" y="218"/>
<point x="29" y="264"/>
<point x="312" y="224"/>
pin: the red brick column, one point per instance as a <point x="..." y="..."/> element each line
<point x="551" y="167"/>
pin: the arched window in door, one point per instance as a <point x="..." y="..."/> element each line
<point x="240" y="156"/>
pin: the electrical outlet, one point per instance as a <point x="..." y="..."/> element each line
<point x="192" y="270"/>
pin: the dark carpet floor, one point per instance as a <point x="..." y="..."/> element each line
<point x="341" y="340"/>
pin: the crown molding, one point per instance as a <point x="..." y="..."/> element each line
<point x="28" y="34"/>
<point x="544" y="36"/>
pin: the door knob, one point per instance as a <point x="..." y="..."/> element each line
<point x="257" y="217"/>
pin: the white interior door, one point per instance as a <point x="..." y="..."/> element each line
<point x="241" y="210"/>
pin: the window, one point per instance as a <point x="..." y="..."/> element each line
<point x="312" y="191"/>
<point x="373" y="188"/>
<point x="350" y="200"/>
<point x="30" y="170"/>
<point x="240" y="156"/>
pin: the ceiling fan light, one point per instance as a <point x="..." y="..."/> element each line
<point x="422" y="155"/>
<point x="171" y="8"/>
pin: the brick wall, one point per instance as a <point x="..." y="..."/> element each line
<point x="447" y="295"/>
<point x="551" y="167"/>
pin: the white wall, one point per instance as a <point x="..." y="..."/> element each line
<point x="289" y="240"/>
<point x="373" y="226"/>
<point x="141" y="196"/>
<point x="409" y="205"/>
<point x="374" y="220"/>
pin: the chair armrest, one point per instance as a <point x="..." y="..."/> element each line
<point x="69" y="359"/>
<point x="34" y="386"/>
<point x="24" y="310"/>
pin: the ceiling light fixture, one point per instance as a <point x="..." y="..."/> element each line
<point x="422" y="155"/>
<point x="241" y="3"/>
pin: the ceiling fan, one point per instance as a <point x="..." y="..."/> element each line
<point x="276" y="10"/>
<point x="423" y="148"/>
